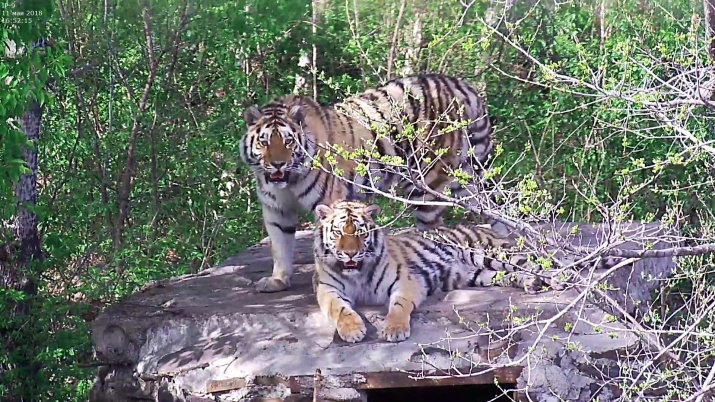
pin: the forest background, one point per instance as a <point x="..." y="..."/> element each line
<point x="600" y="112"/>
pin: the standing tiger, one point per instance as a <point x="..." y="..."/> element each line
<point x="414" y="119"/>
<point x="357" y="263"/>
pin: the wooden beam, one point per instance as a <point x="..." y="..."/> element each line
<point x="239" y="382"/>
<point x="375" y="380"/>
<point x="397" y="379"/>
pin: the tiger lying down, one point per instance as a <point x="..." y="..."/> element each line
<point x="358" y="263"/>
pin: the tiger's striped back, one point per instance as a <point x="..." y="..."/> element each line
<point x="416" y="119"/>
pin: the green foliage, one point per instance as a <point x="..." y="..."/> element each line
<point x="18" y="82"/>
<point x="24" y="72"/>
<point x="193" y="203"/>
<point x="575" y="141"/>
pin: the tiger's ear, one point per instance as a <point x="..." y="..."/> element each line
<point x="251" y="115"/>
<point x="322" y="211"/>
<point x="372" y="210"/>
<point x="297" y="114"/>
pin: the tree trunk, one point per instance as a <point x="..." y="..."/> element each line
<point x="395" y="37"/>
<point x="318" y="8"/>
<point x="16" y="266"/>
<point x="709" y="6"/>
<point x="14" y="272"/>
<point x="414" y="40"/>
<point x="356" y="33"/>
<point x="125" y="183"/>
<point x="601" y="23"/>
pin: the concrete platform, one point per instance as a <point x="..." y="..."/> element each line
<point x="211" y="337"/>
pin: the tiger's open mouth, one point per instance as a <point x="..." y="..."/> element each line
<point x="277" y="177"/>
<point x="351" y="265"/>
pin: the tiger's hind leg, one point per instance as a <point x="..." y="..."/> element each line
<point x="429" y="217"/>
<point x="473" y="194"/>
<point x="561" y="280"/>
<point x="525" y="280"/>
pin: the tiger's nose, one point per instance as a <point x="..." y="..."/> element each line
<point x="278" y="165"/>
<point x="351" y="254"/>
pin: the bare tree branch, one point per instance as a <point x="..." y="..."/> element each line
<point x="125" y="187"/>
<point x="668" y="252"/>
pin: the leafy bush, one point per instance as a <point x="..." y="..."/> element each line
<point x="192" y="202"/>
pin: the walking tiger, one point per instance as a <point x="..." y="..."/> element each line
<point x="434" y="124"/>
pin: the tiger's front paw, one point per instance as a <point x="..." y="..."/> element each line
<point x="395" y="329"/>
<point x="351" y="328"/>
<point x="270" y="284"/>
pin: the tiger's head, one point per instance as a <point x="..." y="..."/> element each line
<point x="275" y="144"/>
<point x="346" y="236"/>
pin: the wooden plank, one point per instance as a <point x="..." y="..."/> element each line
<point x="225" y="385"/>
<point x="238" y="383"/>
<point x="194" y="398"/>
<point x="396" y="379"/>
<point x="298" y="398"/>
<point x="375" y="380"/>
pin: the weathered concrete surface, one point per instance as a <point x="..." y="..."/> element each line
<point x="212" y="337"/>
<point x="631" y="286"/>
